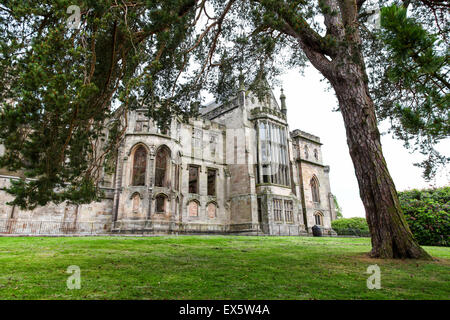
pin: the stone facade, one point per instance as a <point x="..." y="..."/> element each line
<point x="236" y="169"/>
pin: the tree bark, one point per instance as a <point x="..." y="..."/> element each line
<point x="390" y="233"/>
<point x="342" y="63"/>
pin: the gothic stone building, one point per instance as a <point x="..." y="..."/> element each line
<point x="236" y="169"/>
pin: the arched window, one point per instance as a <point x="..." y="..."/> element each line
<point x="136" y="202"/>
<point x="162" y="163"/>
<point x="316" y="154"/>
<point x="318" y="218"/>
<point x="139" y="166"/>
<point x="211" y="210"/>
<point x="161" y="203"/>
<point x="193" y="209"/>
<point x="177" y="206"/>
<point x="315" y="189"/>
<point x="176" y="185"/>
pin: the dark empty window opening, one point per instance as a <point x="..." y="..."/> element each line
<point x="139" y="166"/>
<point x="177" y="177"/>
<point x="162" y="167"/>
<point x="193" y="179"/>
<point x="266" y="175"/>
<point x="160" y="204"/>
<point x="211" y="182"/>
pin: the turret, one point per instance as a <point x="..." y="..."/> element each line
<point x="283" y="102"/>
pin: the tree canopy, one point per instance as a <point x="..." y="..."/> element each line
<point x="409" y="58"/>
<point x="63" y="90"/>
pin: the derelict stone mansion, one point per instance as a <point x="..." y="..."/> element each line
<point x="236" y="169"/>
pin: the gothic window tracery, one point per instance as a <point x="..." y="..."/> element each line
<point x="162" y="167"/>
<point x="288" y="211"/>
<point x="315" y="189"/>
<point x="277" y="210"/>
<point x="318" y="218"/>
<point x="273" y="166"/>
<point x="139" y="166"/>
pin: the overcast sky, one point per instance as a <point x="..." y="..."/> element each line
<point x="310" y="106"/>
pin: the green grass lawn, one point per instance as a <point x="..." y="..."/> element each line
<point x="213" y="267"/>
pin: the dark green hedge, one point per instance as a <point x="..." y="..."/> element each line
<point x="351" y="227"/>
<point x="426" y="211"/>
<point x="428" y="215"/>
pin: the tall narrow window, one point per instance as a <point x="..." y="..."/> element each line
<point x="316" y="154"/>
<point x="273" y="154"/>
<point x="178" y="131"/>
<point x="288" y="208"/>
<point x="177" y="172"/>
<point x="139" y="166"/>
<point x="197" y="136"/>
<point x="211" y="182"/>
<point x="315" y="190"/>
<point x="277" y="210"/>
<point x="177" y="177"/>
<point x="259" y="210"/>
<point x="136" y="202"/>
<point x="162" y="163"/>
<point x="161" y="203"/>
<point x="177" y="206"/>
<point x="213" y="144"/>
<point x="193" y="179"/>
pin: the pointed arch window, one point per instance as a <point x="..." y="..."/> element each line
<point x="318" y="218"/>
<point x="162" y="163"/>
<point x="177" y="206"/>
<point x="211" y="209"/>
<point x="136" y="202"/>
<point x="193" y="208"/>
<point x="139" y="166"/>
<point x="315" y="190"/>
<point x="176" y="185"/>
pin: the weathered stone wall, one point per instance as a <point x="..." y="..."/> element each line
<point x="224" y="139"/>
<point x="309" y="156"/>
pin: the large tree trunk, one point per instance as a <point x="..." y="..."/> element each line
<point x="342" y="63"/>
<point x="391" y="236"/>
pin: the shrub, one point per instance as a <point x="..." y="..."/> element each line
<point x="351" y="226"/>
<point x="428" y="215"/>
